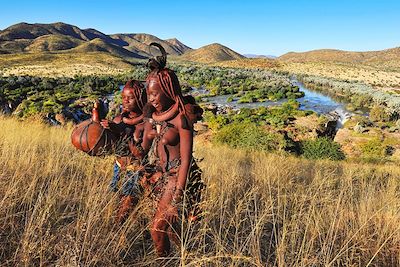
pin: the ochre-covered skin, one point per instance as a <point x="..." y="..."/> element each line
<point x="170" y="134"/>
<point x="130" y="122"/>
<point x="128" y="127"/>
<point x="122" y="137"/>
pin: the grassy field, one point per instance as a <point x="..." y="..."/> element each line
<point x="260" y="209"/>
<point x="386" y="78"/>
<point x="62" y="64"/>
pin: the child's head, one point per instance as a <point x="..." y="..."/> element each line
<point x="133" y="96"/>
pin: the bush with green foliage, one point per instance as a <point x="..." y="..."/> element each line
<point x="215" y="122"/>
<point x="277" y="116"/>
<point x="272" y="94"/>
<point x="34" y="95"/>
<point x="378" y="113"/>
<point x="321" y="148"/>
<point x="374" y="148"/>
<point x="249" y="136"/>
<point x="222" y="81"/>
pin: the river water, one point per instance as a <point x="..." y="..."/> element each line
<point x="312" y="100"/>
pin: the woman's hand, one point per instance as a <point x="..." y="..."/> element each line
<point x="171" y="214"/>
<point x="105" y="124"/>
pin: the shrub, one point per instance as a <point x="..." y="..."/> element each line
<point x="358" y="128"/>
<point x="374" y="148"/>
<point x="249" y="136"/>
<point x="215" y="122"/>
<point x="321" y="148"/>
<point x="378" y="113"/>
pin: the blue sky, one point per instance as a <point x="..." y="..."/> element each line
<point x="247" y="26"/>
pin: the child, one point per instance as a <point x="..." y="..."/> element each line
<point x="129" y="127"/>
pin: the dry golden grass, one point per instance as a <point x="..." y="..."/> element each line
<point x="260" y="209"/>
<point x="62" y="64"/>
<point x="372" y="75"/>
<point x="379" y="75"/>
<point x="252" y="63"/>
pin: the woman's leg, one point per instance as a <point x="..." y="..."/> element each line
<point x="126" y="205"/>
<point x="164" y="220"/>
<point x="159" y="234"/>
<point x="174" y="234"/>
<point x="129" y="196"/>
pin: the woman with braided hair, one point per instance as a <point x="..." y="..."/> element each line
<point x="129" y="128"/>
<point x="168" y="137"/>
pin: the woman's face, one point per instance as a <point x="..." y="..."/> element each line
<point x="128" y="100"/>
<point x="157" y="98"/>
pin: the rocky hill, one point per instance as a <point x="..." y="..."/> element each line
<point x="331" y="55"/>
<point x="139" y="43"/>
<point x="99" y="45"/>
<point x="52" y="42"/>
<point x="54" y="37"/>
<point x="211" y="53"/>
<point x="181" y="47"/>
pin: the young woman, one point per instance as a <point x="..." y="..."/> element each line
<point x="129" y="127"/>
<point x="168" y="138"/>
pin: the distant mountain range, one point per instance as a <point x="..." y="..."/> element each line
<point x="61" y="37"/>
<point x="24" y="37"/>
<point x="331" y="55"/>
<point x="65" y="38"/>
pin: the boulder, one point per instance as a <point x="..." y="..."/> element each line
<point x="211" y="107"/>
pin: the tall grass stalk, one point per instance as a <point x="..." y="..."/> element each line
<point x="259" y="209"/>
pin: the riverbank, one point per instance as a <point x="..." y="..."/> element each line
<point x="316" y="101"/>
<point x="357" y="94"/>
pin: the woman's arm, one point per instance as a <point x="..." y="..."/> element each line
<point x="135" y="145"/>
<point x="186" y="149"/>
<point x="147" y="137"/>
